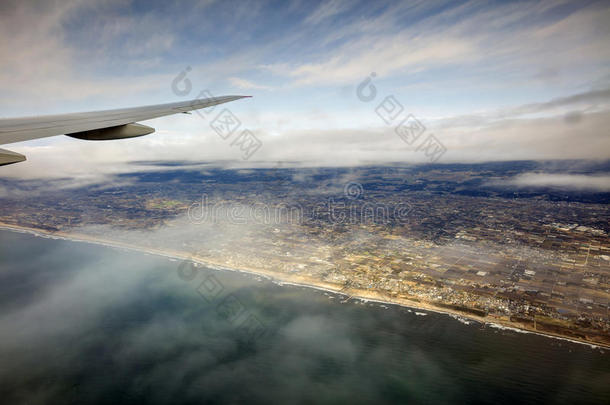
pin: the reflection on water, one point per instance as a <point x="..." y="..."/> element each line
<point x="85" y="323"/>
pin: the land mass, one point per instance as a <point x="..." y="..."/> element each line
<point x="446" y="238"/>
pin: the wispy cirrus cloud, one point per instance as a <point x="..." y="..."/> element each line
<point x="327" y="10"/>
<point x="572" y="108"/>
<point x="520" y="41"/>
<point x="247" y="84"/>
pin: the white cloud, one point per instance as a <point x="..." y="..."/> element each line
<point x="43" y="70"/>
<point x="577" y="182"/>
<point x="246" y="84"/>
<point x="326" y="10"/>
<point x="384" y="56"/>
<point x="479" y="40"/>
<point x="537" y="139"/>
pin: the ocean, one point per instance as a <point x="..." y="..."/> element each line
<point x="84" y="323"/>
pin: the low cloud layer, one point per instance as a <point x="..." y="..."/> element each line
<point x="560" y="181"/>
<point x="506" y="139"/>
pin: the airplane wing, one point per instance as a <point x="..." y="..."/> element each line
<point x="95" y="125"/>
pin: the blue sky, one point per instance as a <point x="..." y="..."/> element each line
<point x="481" y="75"/>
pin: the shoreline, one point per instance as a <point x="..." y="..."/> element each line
<point x="307" y="282"/>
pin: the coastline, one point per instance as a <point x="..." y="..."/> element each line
<point x="308" y="282"/>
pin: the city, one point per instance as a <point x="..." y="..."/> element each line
<point x="443" y="237"/>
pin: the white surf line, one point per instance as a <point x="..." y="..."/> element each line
<point x="517" y="330"/>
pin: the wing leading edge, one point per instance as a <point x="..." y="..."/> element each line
<point x="95" y="125"/>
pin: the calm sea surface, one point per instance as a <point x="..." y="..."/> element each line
<point x="81" y="323"/>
